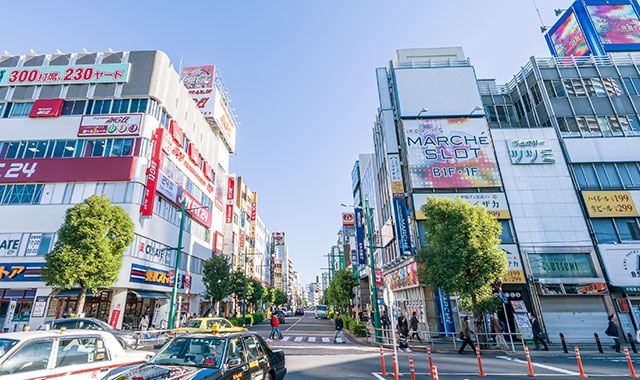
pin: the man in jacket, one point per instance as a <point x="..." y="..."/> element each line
<point x="275" y="327"/>
<point x="612" y="331"/>
<point x="339" y="324"/>
<point x="465" y="335"/>
<point x="386" y="323"/>
<point x="413" y="324"/>
<point x="403" y="333"/>
<point x="538" y="335"/>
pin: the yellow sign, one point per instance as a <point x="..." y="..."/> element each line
<point x="396" y="187"/>
<point x="609" y="203"/>
<point x="514" y="277"/>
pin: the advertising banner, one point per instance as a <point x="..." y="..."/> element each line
<point x="152" y="251"/>
<point x="11" y="244"/>
<point x="224" y="121"/>
<point x="496" y="203"/>
<point x="46" y="108"/>
<point x="168" y="188"/>
<point x="450" y="153"/>
<point x="622" y="264"/>
<point x="402" y="226"/>
<point x="39" y="307"/>
<point x="612" y="203"/>
<point x="362" y="255"/>
<point x="378" y="275"/>
<point x="14" y="272"/>
<point x="199" y="81"/>
<point x="615" y="24"/>
<point x="395" y="175"/>
<point x="231" y="188"/>
<point x="568" y="39"/>
<point x="515" y="270"/>
<point x="147" y="275"/>
<point x="404" y="277"/>
<point x="445" y="312"/>
<point x="110" y="125"/>
<point x="89" y="169"/>
<point x="529" y="152"/>
<point x="278" y="238"/>
<point x="228" y="215"/>
<point x="254" y="211"/>
<point x="347" y="219"/>
<point x="53" y="75"/>
<point x="155" y="163"/>
<point x="186" y="165"/>
<point x="218" y="244"/>
<point x="9" y="316"/>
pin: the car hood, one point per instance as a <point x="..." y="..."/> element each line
<point x="162" y="372"/>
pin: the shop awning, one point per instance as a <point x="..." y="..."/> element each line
<point x="68" y="293"/>
<point x="151" y="295"/>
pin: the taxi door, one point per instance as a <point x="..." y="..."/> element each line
<point x="81" y="357"/>
<point x="256" y="359"/>
<point x="237" y="361"/>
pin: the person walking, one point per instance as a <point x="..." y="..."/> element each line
<point x="612" y="331"/>
<point x="386" y="323"/>
<point x="275" y="327"/>
<point x="465" y="335"/>
<point x="144" y="323"/>
<point x="496" y="326"/>
<point x="538" y="335"/>
<point x="403" y="333"/>
<point x="413" y="324"/>
<point x="339" y="325"/>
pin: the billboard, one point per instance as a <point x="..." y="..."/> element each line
<point x="496" y="203"/>
<point x="110" y="125"/>
<point x="362" y="256"/>
<point x="615" y="24"/>
<point x="348" y="219"/>
<point x="450" y="153"/>
<point x="425" y="92"/>
<point x="568" y="39"/>
<point x="199" y="82"/>
<point x="224" y="121"/>
<point x="278" y="238"/>
<point x="612" y="203"/>
<point x="46" y="108"/>
<point x="55" y="75"/>
<point x="81" y="169"/>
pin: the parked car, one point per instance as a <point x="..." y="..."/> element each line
<point x="203" y="325"/>
<point x="321" y="311"/>
<point x="68" y="354"/>
<point x="227" y="356"/>
<point x="287" y="312"/>
<point x="281" y="317"/>
<point x="299" y="311"/>
<point x="128" y="340"/>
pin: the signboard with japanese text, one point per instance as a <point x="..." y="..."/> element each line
<point x="404" y="277"/>
<point x="218" y="244"/>
<point x="151" y="251"/>
<point x="612" y="203"/>
<point x="515" y="270"/>
<point x="228" y="215"/>
<point x="84" y="169"/>
<point x="395" y="175"/>
<point x="55" y="75"/>
<point x="621" y="263"/>
<point x="278" y="238"/>
<point x="39" y="307"/>
<point x="254" y="211"/>
<point x="529" y="152"/>
<point x="199" y="82"/>
<point x="403" y="232"/>
<point x="347" y="219"/>
<point x="362" y="255"/>
<point x="147" y="275"/>
<point x="450" y="153"/>
<point x="155" y="163"/>
<point x="186" y="165"/>
<point x="110" y="125"/>
<point x="175" y="194"/>
<point x="20" y="271"/>
<point x="46" y="108"/>
<point x="496" y="203"/>
<point x="224" y="121"/>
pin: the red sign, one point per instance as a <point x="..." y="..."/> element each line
<point x="379" y="277"/>
<point x="242" y="238"/>
<point x="229" y="215"/>
<point x="218" y="243"/>
<point x="110" y="125"/>
<point x="206" y="169"/>
<point x="348" y="219"/>
<point x="194" y="155"/>
<point x="115" y="315"/>
<point x="231" y="188"/>
<point x="152" y="174"/>
<point x="176" y="132"/>
<point x="173" y="150"/>
<point x="87" y="169"/>
<point x="46" y="108"/>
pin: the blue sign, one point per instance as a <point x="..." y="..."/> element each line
<point x="148" y="275"/>
<point x="402" y="226"/>
<point x="242" y="219"/>
<point x="354" y="258"/>
<point x="20" y="272"/>
<point x="362" y="255"/>
<point x="380" y="301"/>
<point x="445" y="313"/>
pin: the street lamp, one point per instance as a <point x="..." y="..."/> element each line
<point x="174" y="291"/>
<point x="374" y="287"/>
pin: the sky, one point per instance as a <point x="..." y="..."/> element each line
<point x="301" y="75"/>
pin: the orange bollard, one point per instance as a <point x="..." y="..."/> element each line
<point x="479" y="362"/>
<point x="411" y="369"/>
<point x="384" y="371"/>
<point x="395" y="364"/>
<point x="633" y="372"/>
<point x="430" y="361"/>
<point x="579" y="362"/>
<point x="434" y="373"/>
<point x="526" y="352"/>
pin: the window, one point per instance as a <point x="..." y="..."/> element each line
<point x="236" y="349"/>
<point x="535" y="92"/>
<point x="21" y="194"/>
<point x="627" y="228"/>
<point x="101" y="107"/>
<point x="33" y="356"/>
<point x="568" y="87"/>
<point x="45" y="244"/>
<point x="85" y="350"/>
<point x="598" y="87"/>
<point x="138" y="105"/>
<point x="578" y="87"/>
<point x="491" y="114"/>
<point x="604" y="126"/>
<point x="254" y="348"/>
<point x="21" y="109"/>
<point x="629" y="86"/>
<point x="612" y="86"/>
<point x="2" y="109"/>
<point x="506" y="237"/>
<point x="591" y="91"/>
<point x="634" y="125"/>
<point x="616" y="129"/>
<point x="526" y="102"/>
<point x="612" y="174"/>
<point x="582" y="124"/>
<point x="573" y="126"/>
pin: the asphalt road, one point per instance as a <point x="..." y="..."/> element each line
<point x="311" y="354"/>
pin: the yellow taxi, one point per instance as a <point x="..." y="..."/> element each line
<point x="203" y="325"/>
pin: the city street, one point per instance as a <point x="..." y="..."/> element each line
<point x="311" y="354"/>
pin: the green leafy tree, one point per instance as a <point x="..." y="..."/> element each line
<point x="267" y="296"/>
<point x="279" y="297"/>
<point x="340" y="290"/>
<point x="90" y="246"/>
<point x="257" y="293"/>
<point x="215" y="276"/>
<point x="236" y="283"/>
<point x="462" y="255"/>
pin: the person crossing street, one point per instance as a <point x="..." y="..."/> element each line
<point x="275" y="327"/>
<point x="339" y="325"/>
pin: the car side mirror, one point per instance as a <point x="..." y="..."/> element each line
<point x="147" y="357"/>
<point x="234" y="362"/>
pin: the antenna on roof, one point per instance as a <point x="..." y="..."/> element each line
<point x="543" y="27"/>
<point x="58" y="51"/>
<point x="84" y="50"/>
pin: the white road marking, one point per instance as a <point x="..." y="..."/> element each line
<point x="312" y="339"/>
<point x="377" y="376"/>
<point x="298" y="339"/>
<point x="325" y="339"/>
<point x="286" y="338"/>
<point x="550" y="368"/>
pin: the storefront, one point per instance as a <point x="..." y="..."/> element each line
<point x="514" y="292"/>
<point x="63" y="304"/>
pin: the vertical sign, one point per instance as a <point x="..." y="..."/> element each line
<point x="10" y="312"/>
<point x="254" y="207"/>
<point x="362" y="256"/>
<point x="445" y="312"/>
<point x="115" y="315"/>
<point x="395" y="174"/>
<point x="155" y="163"/>
<point x="402" y="226"/>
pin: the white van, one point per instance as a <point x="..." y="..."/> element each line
<point x="321" y="311"/>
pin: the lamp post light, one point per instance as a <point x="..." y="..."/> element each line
<point x="174" y="291"/>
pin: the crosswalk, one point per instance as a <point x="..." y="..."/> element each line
<point x="309" y="339"/>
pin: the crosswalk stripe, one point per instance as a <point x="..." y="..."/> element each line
<point x="312" y="339"/>
<point x="325" y="339"/>
<point x="298" y="339"/>
<point x="286" y="338"/>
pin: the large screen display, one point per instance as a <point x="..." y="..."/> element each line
<point x="615" y="24"/>
<point x="450" y="153"/>
<point x="568" y="39"/>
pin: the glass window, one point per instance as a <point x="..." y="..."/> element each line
<point x="236" y="349"/>
<point x="593" y="126"/>
<point x="506" y="236"/>
<point x="582" y="181"/>
<point x="67" y="108"/>
<point x="6" y="345"/>
<point x="85" y="350"/>
<point x="604" y="126"/>
<point x="614" y="179"/>
<point x="562" y="125"/>
<point x="14" y="148"/>
<point x="27" y="194"/>
<point x="254" y="349"/>
<point x="45" y="244"/>
<point x="526" y="102"/>
<point x="21" y="109"/>
<point x="636" y="82"/>
<point x="591" y="91"/>
<point x="535" y="92"/>
<point x="573" y="126"/>
<point x="33" y="356"/>
<point x="602" y="176"/>
<point x="69" y="148"/>
<point x="7" y="195"/>
<point x="615" y="125"/>
<point x="582" y="124"/>
<point x="624" y="124"/>
<point x="597" y="85"/>
<point x="191" y="351"/>
<point x="590" y="175"/>
<point x="491" y="114"/>
<point x="126" y="147"/>
<point x="78" y="107"/>
<point x="41" y="149"/>
<point x="561" y="265"/>
<point x="558" y="88"/>
<point x="627" y="228"/>
<point x="634" y="125"/>
<point x="32" y="146"/>
<point x="549" y="87"/>
<point x="98" y="148"/>
<point x="502" y="114"/>
<point x="624" y="175"/>
<point x="578" y="87"/>
<point x="142" y="106"/>
<point x="629" y="86"/>
<point x="612" y="86"/>
<point x="605" y="233"/>
<point x="568" y="87"/>
<point x="634" y="173"/>
<point x="116" y="151"/>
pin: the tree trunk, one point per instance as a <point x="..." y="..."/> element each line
<point x="82" y="297"/>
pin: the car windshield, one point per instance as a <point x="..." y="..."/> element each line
<point x="191" y="351"/>
<point x="6" y="345"/>
<point x="194" y="323"/>
<point x="321" y="308"/>
<point x="102" y="324"/>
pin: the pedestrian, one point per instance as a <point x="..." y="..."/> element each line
<point x="538" y="335"/>
<point x="339" y="325"/>
<point x="465" y="335"/>
<point x="144" y="323"/>
<point x="413" y="323"/>
<point x="275" y="327"/>
<point x="403" y="333"/>
<point x="386" y="323"/>
<point x="496" y="326"/>
<point x="612" y="331"/>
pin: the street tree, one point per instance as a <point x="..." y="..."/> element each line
<point x="258" y="291"/>
<point x="90" y="246"/>
<point x="215" y="276"/>
<point x="267" y="296"/>
<point x="340" y="290"/>
<point x="462" y="254"/>
<point x="279" y="297"/>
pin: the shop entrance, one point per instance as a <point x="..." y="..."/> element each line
<point x="140" y="303"/>
<point x="96" y="304"/>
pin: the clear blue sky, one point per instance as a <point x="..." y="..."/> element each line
<point x="301" y="76"/>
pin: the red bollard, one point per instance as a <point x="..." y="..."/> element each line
<point x="430" y="361"/>
<point x="633" y="372"/>
<point x="434" y="373"/>
<point x="479" y="362"/>
<point x="411" y="369"/>
<point x="395" y="364"/>
<point x="526" y="352"/>
<point x="579" y="363"/>
<point x="384" y="371"/>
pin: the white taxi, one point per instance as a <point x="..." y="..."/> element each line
<point x="72" y="354"/>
